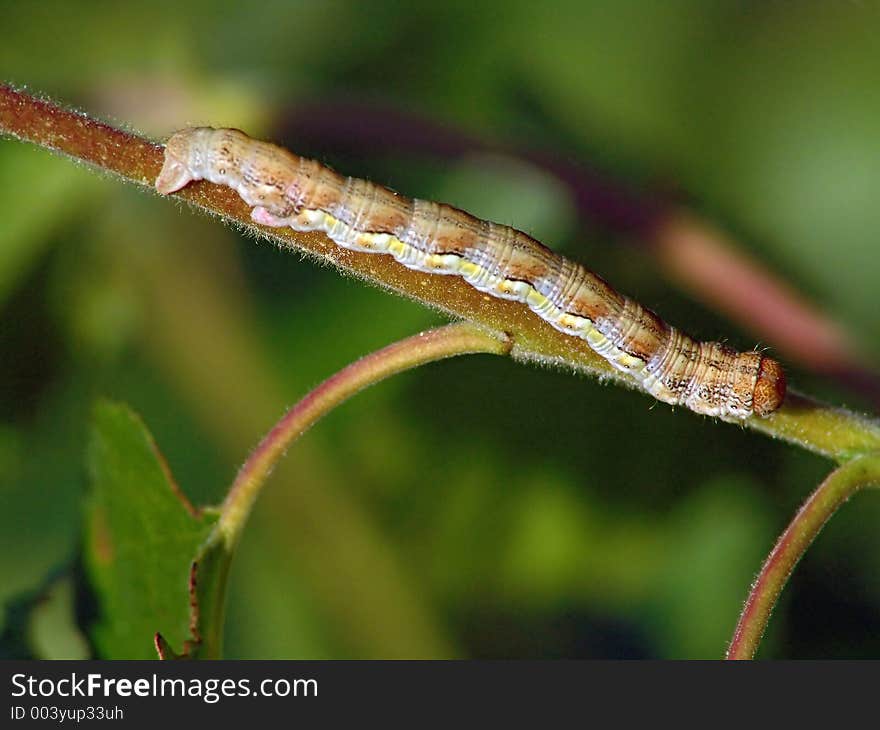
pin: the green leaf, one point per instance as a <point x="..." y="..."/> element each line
<point x="141" y="538"/>
<point x="207" y="590"/>
<point x="209" y="596"/>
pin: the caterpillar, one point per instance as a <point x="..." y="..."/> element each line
<point x="287" y="190"/>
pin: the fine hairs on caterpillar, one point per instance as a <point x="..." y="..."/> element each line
<point x="287" y="190"/>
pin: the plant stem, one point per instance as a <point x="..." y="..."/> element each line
<point x="839" y="486"/>
<point x="443" y="342"/>
<point x="831" y="432"/>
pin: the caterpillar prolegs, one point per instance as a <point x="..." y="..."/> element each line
<point x="287" y="190"/>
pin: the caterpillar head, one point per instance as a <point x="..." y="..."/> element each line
<point x="769" y="387"/>
<point x="185" y="157"/>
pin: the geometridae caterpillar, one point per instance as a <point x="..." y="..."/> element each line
<point x="288" y="190"/>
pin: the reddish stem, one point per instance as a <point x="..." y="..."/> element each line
<point x="838" y="487"/>
<point x="448" y="341"/>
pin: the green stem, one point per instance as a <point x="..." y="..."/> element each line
<point x="831" y="432"/>
<point x="212" y="564"/>
<point x="838" y="487"/>
<point x="443" y="342"/>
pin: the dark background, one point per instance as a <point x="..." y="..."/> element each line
<point x="483" y="508"/>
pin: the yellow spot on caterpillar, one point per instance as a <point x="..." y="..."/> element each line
<point x="536" y="299"/>
<point x="397" y="247"/>
<point x="630" y="362"/>
<point x="469" y="269"/>
<point x="571" y="322"/>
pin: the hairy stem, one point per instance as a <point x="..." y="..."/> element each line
<point x="448" y="341"/>
<point x="832" y="432"/>
<point x="838" y="487"/>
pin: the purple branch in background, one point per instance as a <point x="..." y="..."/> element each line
<point x="355" y="127"/>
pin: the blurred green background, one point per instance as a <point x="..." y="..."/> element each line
<point x="475" y="507"/>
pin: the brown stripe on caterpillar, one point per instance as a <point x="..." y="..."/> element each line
<point x="287" y="190"/>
